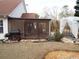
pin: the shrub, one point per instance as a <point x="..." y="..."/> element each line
<point x="56" y="37"/>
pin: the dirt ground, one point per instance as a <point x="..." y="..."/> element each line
<point x="32" y="50"/>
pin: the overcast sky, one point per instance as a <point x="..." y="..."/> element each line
<point x="36" y="6"/>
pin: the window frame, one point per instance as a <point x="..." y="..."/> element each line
<point x="1" y="26"/>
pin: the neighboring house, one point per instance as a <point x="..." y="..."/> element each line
<point x="9" y="8"/>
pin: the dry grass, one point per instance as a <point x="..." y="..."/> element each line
<point x="30" y="50"/>
<point x="62" y="55"/>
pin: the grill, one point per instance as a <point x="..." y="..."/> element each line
<point x="14" y="35"/>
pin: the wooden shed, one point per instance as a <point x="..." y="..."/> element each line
<point x="30" y="27"/>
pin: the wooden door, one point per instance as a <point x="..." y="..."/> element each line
<point x="30" y="29"/>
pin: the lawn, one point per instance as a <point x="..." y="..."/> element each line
<point x="31" y="50"/>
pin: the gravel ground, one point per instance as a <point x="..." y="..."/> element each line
<point x="32" y="50"/>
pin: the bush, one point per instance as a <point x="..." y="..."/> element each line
<point x="56" y="37"/>
<point x="50" y="38"/>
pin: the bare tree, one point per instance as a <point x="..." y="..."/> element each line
<point x="50" y="13"/>
<point x="53" y="14"/>
<point x="65" y="16"/>
<point x="66" y="12"/>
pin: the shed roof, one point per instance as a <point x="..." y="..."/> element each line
<point x="30" y="16"/>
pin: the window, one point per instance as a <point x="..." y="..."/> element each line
<point x="1" y="26"/>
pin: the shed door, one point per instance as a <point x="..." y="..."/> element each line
<point x="30" y="30"/>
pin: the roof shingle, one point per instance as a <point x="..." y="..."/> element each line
<point x="7" y="6"/>
<point x="30" y="16"/>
